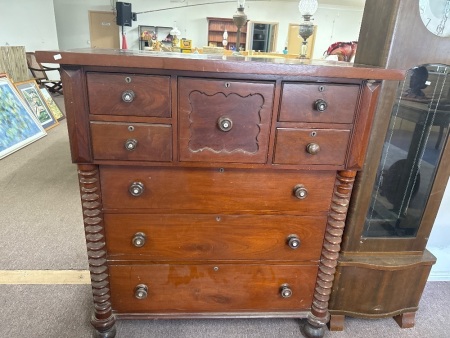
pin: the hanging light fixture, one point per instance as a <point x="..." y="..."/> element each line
<point x="239" y="19"/>
<point x="307" y="9"/>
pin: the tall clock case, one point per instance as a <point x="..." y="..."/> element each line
<point x="384" y="265"/>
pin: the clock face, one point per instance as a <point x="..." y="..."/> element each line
<point x="435" y="15"/>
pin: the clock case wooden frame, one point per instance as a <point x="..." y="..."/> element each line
<point x="371" y="271"/>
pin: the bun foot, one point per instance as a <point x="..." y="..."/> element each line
<point x="111" y="333"/>
<point x="312" y="331"/>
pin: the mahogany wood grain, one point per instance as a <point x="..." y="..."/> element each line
<point x="151" y="94"/>
<point x="291" y="146"/>
<point x="214" y="237"/>
<point x="298" y="102"/>
<point x="216" y="63"/>
<point x="336" y="323"/>
<point x="361" y="133"/>
<point x="406" y="320"/>
<point x="77" y="114"/>
<point x="154" y="141"/>
<point x="178" y="190"/>
<point x="211" y="287"/>
<point x="247" y="105"/>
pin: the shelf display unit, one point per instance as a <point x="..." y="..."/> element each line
<point x="148" y="33"/>
<point x="216" y="28"/>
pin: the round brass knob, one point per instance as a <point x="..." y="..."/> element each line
<point x="320" y="105"/>
<point x="128" y="96"/>
<point x="293" y="241"/>
<point x="139" y="239"/>
<point x="141" y="291"/>
<point x="130" y="144"/>
<point x="300" y="191"/>
<point x="136" y="188"/>
<point x="225" y="123"/>
<point x="285" y="291"/>
<point x="313" y="148"/>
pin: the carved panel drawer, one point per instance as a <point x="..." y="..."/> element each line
<point x="225" y="121"/>
<point x="311" y="146"/>
<point x="129" y="94"/>
<point x="162" y="288"/>
<point x="210" y="190"/>
<point x="213" y="237"/>
<point x="131" y="141"/>
<point x="318" y="102"/>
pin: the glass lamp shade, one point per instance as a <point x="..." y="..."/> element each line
<point x="241" y="3"/>
<point x="175" y="32"/>
<point x="308" y="7"/>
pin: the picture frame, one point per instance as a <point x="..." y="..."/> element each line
<point x="51" y="104"/>
<point x="31" y="94"/>
<point x="18" y="125"/>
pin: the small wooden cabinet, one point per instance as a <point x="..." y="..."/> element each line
<point x="212" y="187"/>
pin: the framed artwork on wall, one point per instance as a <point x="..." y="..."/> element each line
<point x="51" y="104"/>
<point x="18" y="125"/>
<point x="31" y="94"/>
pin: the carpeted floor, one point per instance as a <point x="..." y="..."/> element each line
<point x="41" y="229"/>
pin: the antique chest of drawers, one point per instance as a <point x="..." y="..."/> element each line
<point x="214" y="187"/>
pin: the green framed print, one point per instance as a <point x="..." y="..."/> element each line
<point x="51" y="104"/>
<point x="31" y="94"/>
<point x="18" y="125"/>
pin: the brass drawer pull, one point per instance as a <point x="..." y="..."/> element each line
<point x="141" y="291"/>
<point x="300" y="191"/>
<point x="285" y="291"/>
<point x="225" y="123"/>
<point x="136" y="189"/>
<point x="320" y="105"/>
<point x="139" y="239"/>
<point x="128" y="96"/>
<point x="313" y="148"/>
<point x="131" y="144"/>
<point x="293" y="241"/>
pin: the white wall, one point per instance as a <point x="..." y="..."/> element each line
<point x="335" y="23"/>
<point x="28" y="23"/>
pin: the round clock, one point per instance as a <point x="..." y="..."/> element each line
<point x="435" y="15"/>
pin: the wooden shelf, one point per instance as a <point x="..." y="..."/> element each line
<point x="216" y="28"/>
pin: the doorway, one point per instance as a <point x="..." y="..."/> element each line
<point x="262" y="36"/>
<point x="103" y="31"/>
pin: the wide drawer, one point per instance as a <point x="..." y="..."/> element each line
<point x="302" y="102"/>
<point x="210" y="288"/>
<point x="129" y="94"/>
<point x="214" y="237"/>
<point x="224" y="121"/>
<point x="180" y="190"/>
<point x="131" y="141"/>
<point x="311" y="146"/>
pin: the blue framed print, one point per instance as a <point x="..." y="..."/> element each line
<point x="18" y="125"/>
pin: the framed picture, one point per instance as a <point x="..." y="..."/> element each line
<point x="51" y="104"/>
<point x="18" y="125"/>
<point x="31" y="94"/>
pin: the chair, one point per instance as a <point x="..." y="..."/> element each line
<point x="39" y="73"/>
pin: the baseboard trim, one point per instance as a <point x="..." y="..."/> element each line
<point x="439" y="276"/>
<point x="45" y="277"/>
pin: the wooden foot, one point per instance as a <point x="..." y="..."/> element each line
<point x="111" y="333"/>
<point x="336" y="323"/>
<point x="405" y="320"/>
<point x="312" y="331"/>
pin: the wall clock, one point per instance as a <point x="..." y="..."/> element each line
<point x="435" y="16"/>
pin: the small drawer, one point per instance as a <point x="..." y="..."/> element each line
<point x="318" y="102"/>
<point x="164" y="288"/>
<point x="131" y="141"/>
<point x="214" y="237"/>
<point x="179" y="190"/>
<point x="311" y="146"/>
<point x="129" y="94"/>
<point x="224" y="121"/>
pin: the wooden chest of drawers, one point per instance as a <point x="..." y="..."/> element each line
<point x="214" y="187"/>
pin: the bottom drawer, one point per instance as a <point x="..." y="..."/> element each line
<point x="211" y="288"/>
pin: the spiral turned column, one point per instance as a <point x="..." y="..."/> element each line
<point x="103" y="320"/>
<point x="319" y="315"/>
